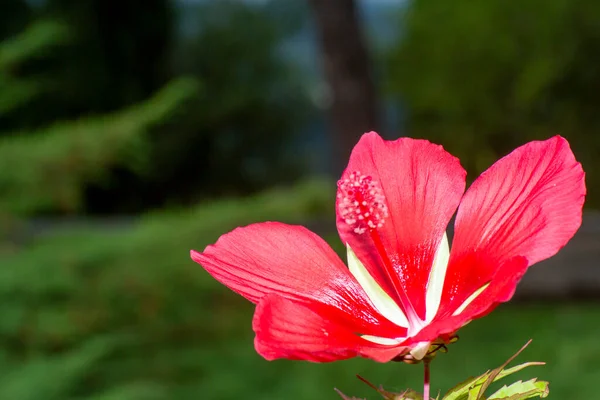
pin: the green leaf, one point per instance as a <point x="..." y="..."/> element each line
<point x="522" y="390"/>
<point x="475" y="387"/>
<point x="496" y="372"/>
<point x="461" y="391"/>
<point x="517" y="368"/>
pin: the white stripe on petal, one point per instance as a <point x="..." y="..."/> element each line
<point x="382" y="340"/>
<point x="470" y="299"/>
<point x="380" y="299"/>
<point x="435" y="284"/>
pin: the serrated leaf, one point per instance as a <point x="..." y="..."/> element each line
<point x="461" y="391"/>
<point x="517" y="368"/>
<point x="522" y="390"/>
<point x="475" y="387"/>
<point x="495" y="372"/>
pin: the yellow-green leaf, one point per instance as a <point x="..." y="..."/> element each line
<point x="474" y="388"/>
<point x="522" y="390"/>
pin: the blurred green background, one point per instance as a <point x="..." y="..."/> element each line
<point x="134" y="130"/>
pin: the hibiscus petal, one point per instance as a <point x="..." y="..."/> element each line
<point x="312" y="332"/>
<point x="395" y="200"/>
<point x="380" y="299"/>
<point x="437" y="275"/>
<point x="527" y="204"/>
<point x="500" y="289"/>
<point x="293" y="262"/>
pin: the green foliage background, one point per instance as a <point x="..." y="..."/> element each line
<point x="485" y="77"/>
<point x="95" y="121"/>
<point x="124" y="314"/>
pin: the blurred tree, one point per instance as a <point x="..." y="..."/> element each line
<point x="240" y="137"/>
<point x="120" y="55"/>
<point x="14" y="54"/>
<point x="14" y="16"/>
<point x="484" y="77"/>
<point x="346" y="66"/>
<point x="46" y="169"/>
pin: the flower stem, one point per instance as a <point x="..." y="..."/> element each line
<point x="426" y="377"/>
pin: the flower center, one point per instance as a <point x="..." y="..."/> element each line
<point x="361" y="202"/>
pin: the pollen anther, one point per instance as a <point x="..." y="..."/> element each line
<point x="361" y="203"/>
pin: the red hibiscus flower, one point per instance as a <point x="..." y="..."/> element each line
<point x="403" y="288"/>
